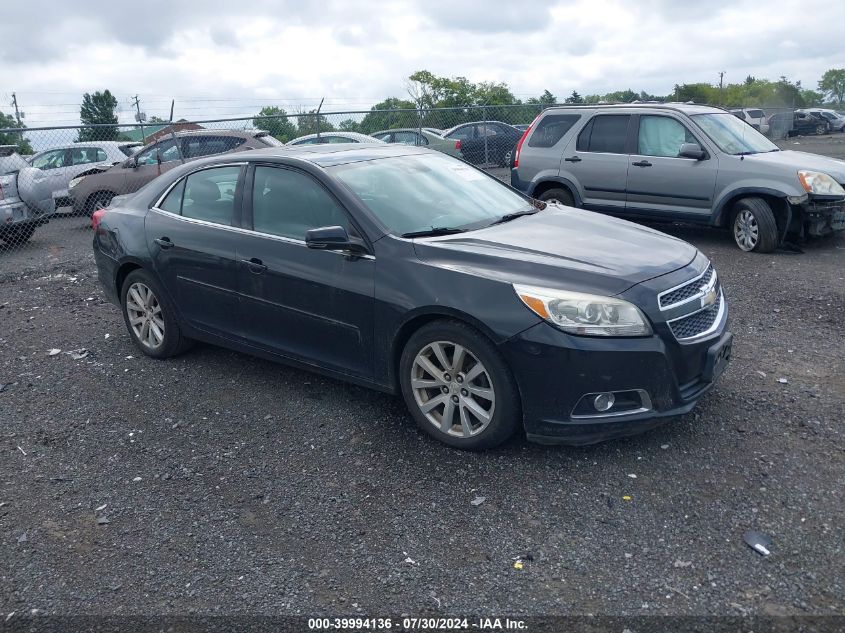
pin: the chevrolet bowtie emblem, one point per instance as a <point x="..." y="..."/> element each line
<point x="709" y="297"/>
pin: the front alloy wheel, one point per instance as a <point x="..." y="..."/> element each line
<point x="453" y="389"/>
<point x="746" y="230"/>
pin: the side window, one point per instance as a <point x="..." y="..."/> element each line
<point x="51" y="160"/>
<point x="606" y="133"/>
<point x="662" y="136"/>
<point x="85" y="155"/>
<point x="150" y="156"/>
<point x="339" y="139"/>
<point x="407" y="138"/>
<point x="196" y="146"/>
<point x="101" y="156"/>
<point x="551" y="129"/>
<point x="463" y="133"/>
<point x="487" y="129"/>
<point x="383" y="137"/>
<point x="289" y="203"/>
<point x="173" y="201"/>
<point x="210" y="195"/>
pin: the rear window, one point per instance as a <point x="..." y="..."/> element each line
<point x="551" y="129"/>
<point x="605" y="133"/>
<point x="756" y="114"/>
<point x="208" y="145"/>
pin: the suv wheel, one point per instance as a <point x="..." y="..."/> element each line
<point x="754" y="226"/>
<point x="821" y="128"/>
<point x="150" y="317"/>
<point x="558" y="195"/>
<point x="457" y="386"/>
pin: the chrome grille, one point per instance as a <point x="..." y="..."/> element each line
<point x="686" y="291"/>
<point x="697" y="323"/>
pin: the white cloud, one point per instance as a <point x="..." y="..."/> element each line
<point x="221" y="58"/>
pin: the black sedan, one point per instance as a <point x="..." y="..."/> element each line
<point x="409" y="271"/>
<point x="485" y="142"/>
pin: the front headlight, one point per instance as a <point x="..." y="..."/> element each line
<point x="820" y="183"/>
<point x="584" y="314"/>
<point x="75" y="181"/>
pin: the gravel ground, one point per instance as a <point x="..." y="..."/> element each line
<point x="219" y="483"/>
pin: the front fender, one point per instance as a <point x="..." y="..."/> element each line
<point x="746" y="188"/>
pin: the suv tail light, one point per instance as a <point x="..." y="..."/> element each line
<point x="458" y="144"/>
<point x="522" y="140"/>
<point x="97" y="217"/>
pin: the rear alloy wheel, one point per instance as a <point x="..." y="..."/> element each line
<point x="558" y="196"/>
<point x="754" y="226"/>
<point x="821" y="129"/>
<point x="150" y="318"/>
<point x="458" y="387"/>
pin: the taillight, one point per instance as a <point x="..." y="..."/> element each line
<point x="1" y="192"/>
<point x="458" y="144"/>
<point x="522" y="140"/>
<point x="97" y="217"/>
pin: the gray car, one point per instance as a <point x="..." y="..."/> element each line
<point x="419" y="138"/>
<point x="332" y="137"/>
<point x="25" y="200"/>
<point x="680" y="162"/>
<point x="62" y="164"/>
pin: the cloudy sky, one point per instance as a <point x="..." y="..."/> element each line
<point x="230" y="58"/>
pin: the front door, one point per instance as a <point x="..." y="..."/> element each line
<point x="597" y="162"/>
<point x="315" y="306"/>
<point x="194" y="248"/>
<point x="150" y="163"/>
<point x="659" y="181"/>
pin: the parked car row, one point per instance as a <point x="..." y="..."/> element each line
<point x="793" y="123"/>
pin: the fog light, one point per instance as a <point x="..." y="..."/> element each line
<point x="604" y="401"/>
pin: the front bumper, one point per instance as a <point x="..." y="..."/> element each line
<point x="555" y="370"/>
<point x="822" y="216"/>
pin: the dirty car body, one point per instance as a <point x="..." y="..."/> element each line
<point x="352" y="313"/>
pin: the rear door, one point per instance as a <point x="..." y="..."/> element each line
<point x="315" y="306"/>
<point x="662" y="183"/>
<point x="544" y="151"/>
<point x="193" y="237"/>
<point x="596" y="161"/>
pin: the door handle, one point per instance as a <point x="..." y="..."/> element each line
<point x="642" y="163"/>
<point x="164" y="242"/>
<point x="572" y="159"/>
<point x="255" y="265"/>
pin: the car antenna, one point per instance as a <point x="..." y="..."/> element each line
<point x="319" y="107"/>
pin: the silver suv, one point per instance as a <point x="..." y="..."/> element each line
<point x="680" y="162"/>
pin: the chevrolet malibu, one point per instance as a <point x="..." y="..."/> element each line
<point x="405" y="270"/>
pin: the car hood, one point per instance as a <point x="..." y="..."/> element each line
<point x="803" y="160"/>
<point x="562" y="247"/>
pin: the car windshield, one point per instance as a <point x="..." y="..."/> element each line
<point x="424" y="191"/>
<point x="733" y="135"/>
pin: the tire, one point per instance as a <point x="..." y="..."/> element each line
<point x="821" y="129"/>
<point x="172" y="342"/>
<point x="559" y="195"/>
<point x="753" y="226"/>
<point x="488" y="409"/>
<point x="98" y="200"/>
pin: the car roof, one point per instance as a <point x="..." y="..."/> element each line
<point x="407" y="129"/>
<point x="325" y="155"/>
<point x="686" y="108"/>
<point x="353" y="135"/>
<point x="90" y="144"/>
<point x="455" y="127"/>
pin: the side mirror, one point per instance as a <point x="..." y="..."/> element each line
<point x="333" y="238"/>
<point x="691" y="150"/>
<point x="131" y="162"/>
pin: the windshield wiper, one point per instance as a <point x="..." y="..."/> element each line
<point x="434" y="231"/>
<point x="512" y="216"/>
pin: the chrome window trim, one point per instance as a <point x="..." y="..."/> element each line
<point x="717" y="323"/>
<point x="698" y="295"/>
<point x="190" y="173"/>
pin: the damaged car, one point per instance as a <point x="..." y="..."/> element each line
<point x="26" y="198"/>
<point x="681" y="162"/>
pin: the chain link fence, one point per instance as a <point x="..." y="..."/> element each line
<point x="77" y="169"/>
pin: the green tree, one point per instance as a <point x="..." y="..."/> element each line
<point x="98" y="109"/>
<point x="349" y="125"/>
<point x="279" y="126"/>
<point x="7" y="121"/>
<point x="698" y="93"/>
<point x="832" y="84"/>
<point x="306" y="123"/>
<point x="574" y="98"/>
<point x="375" y="120"/>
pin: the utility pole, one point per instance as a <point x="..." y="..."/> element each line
<point x="17" y="115"/>
<point x="721" y="76"/>
<point x="139" y="117"/>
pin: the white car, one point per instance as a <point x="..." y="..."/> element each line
<point x="62" y="164"/>
<point x="835" y="120"/>
<point x="333" y="137"/>
<point x="755" y="117"/>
